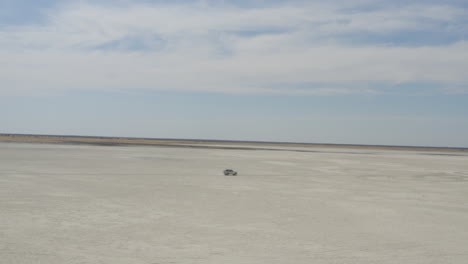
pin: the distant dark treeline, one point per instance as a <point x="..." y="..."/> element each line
<point x="232" y="141"/>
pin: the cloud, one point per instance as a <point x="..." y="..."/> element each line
<point x="231" y="49"/>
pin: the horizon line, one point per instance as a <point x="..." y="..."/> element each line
<point x="238" y="141"/>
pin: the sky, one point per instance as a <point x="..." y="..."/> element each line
<point x="347" y="72"/>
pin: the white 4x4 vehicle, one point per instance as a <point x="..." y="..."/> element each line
<point x="229" y="172"/>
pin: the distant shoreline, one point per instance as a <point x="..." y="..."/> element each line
<point x="200" y="143"/>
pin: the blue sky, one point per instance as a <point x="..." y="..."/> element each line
<point x="355" y="72"/>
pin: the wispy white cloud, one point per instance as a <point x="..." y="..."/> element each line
<point x="224" y="48"/>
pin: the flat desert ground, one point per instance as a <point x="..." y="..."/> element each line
<point x="158" y="205"/>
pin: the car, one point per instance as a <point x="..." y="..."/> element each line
<point x="229" y="172"/>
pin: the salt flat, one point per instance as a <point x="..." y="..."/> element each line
<point x="94" y="204"/>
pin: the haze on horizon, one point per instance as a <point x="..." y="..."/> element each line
<point x="353" y="72"/>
